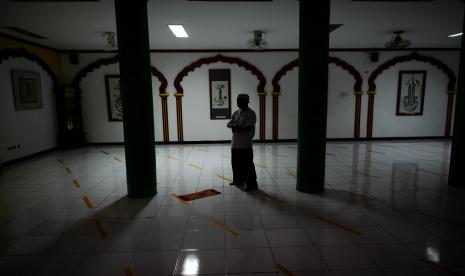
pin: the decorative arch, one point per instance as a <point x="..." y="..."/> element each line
<point x="22" y="53"/>
<point x="338" y="62"/>
<point x="155" y="72"/>
<point x="214" y="59"/>
<point x="411" y="57"/>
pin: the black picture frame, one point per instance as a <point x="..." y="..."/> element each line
<point x="220" y="100"/>
<point x="114" y="102"/>
<point x="411" y="93"/>
<point x="27" y="90"/>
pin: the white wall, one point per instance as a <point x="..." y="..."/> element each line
<point x="36" y="129"/>
<point x="341" y="100"/>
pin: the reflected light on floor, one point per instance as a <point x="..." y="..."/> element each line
<point x="432" y="254"/>
<point x="191" y="265"/>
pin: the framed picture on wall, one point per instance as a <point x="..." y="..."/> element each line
<point x="411" y="93"/>
<point x="220" y="94"/>
<point x="114" y="103"/>
<point x="27" y="91"/>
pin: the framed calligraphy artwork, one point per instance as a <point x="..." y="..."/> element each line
<point x="27" y="90"/>
<point x="220" y="94"/>
<point x="114" y="102"/>
<point x="411" y="93"/>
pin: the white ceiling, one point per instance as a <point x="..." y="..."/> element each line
<point x="223" y="25"/>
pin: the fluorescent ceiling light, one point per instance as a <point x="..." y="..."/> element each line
<point x="455" y="35"/>
<point x="178" y="30"/>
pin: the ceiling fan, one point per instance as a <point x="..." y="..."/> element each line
<point x="258" y="42"/>
<point x="397" y="41"/>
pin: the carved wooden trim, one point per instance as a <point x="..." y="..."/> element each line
<point x="219" y="58"/>
<point x="411" y="57"/>
<point x="155" y="72"/>
<point x="338" y="62"/>
<point x="22" y="53"/>
<point x="208" y="60"/>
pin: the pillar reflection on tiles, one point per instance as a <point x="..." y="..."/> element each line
<point x="457" y="158"/>
<point x="313" y="95"/>
<point x="136" y="94"/>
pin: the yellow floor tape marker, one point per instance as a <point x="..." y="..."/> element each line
<point x="356" y="194"/>
<point x="101" y="230"/>
<point x="194" y="166"/>
<point x="128" y="271"/>
<point x="172" y="157"/>
<point x="284" y="270"/>
<point x="61" y="161"/>
<point x="68" y="170"/>
<point x="224" y="226"/>
<point x="366" y="175"/>
<point x="117" y="159"/>
<point x="224" y="178"/>
<point x="291" y="174"/>
<point x="340" y="225"/>
<point x="428" y="189"/>
<point x="88" y="203"/>
<point x="226" y="157"/>
<point x="179" y="199"/>
<point x="435" y="173"/>
<point x="76" y="183"/>
<point x="260" y="192"/>
<point x="261" y="166"/>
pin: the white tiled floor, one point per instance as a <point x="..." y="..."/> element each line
<point x="391" y="208"/>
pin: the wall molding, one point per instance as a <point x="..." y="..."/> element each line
<point x="115" y="59"/>
<point x="21" y="53"/>
<point x="406" y="58"/>
<point x="338" y="62"/>
<point x="214" y="59"/>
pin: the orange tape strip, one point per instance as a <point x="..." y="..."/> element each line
<point x="260" y="192"/>
<point x="261" y="166"/>
<point x="76" y="183"/>
<point x="102" y="232"/>
<point x="117" y="159"/>
<point x="194" y="166"/>
<point x="180" y="200"/>
<point x="284" y="270"/>
<point x="434" y="173"/>
<point x="68" y="170"/>
<point x="172" y="157"/>
<point x="224" y="226"/>
<point x="204" y="150"/>
<point x="88" y="203"/>
<point x="61" y="161"/>
<point x="128" y="271"/>
<point x="291" y="174"/>
<point x="224" y="178"/>
<point x="340" y="225"/>
<point x="366" y="175"/>
<point x="356" y="194"/>
<point x="226" y="157"/>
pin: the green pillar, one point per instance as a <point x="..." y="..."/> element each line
<point x="313" y="94"/>
<point x="457" y="158"/>
<point x="136" y="94"/>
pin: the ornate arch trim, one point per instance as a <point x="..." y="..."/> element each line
<point x="338" y="62"/>
<point x="21" y="53"/>
<point x="411" y="57"/>
<point x="112" y="60"/>
<point x="155" y="72"/>
<point x="214" y="59"/>
<point x="219" y="58"/>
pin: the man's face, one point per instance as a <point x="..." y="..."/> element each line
<point x="242" y="103"/>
